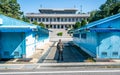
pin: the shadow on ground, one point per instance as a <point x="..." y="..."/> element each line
<point x="72" y="53"/>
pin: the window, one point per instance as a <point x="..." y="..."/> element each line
<point x="75" y="35"/>
<point x="46" y="19"/>
<point x="39" y="19"/>
<point x="61" y="19"/>
<point x="16" y="53"/>
<point x="77" y="20"/>
<point x="115" y="53"/>
<point x="69" y="19"/>
<point x="32" y="19"/>
<point x="6" y="53"/>
<point x="58" y="19"/>
<point x="84" y="35"/>
<point x="35" y="19"/>
<point x="51" y="19"/>
<point x="47" y="26"/>
<point x="43" y="19"/>
<point x="72" y="19"/>
<point x="65" y="19"/>
<point x="104" y="53"/>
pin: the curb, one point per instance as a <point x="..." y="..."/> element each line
<point x="38" y="66"/>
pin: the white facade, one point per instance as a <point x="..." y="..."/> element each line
<point x="57" y="19"/>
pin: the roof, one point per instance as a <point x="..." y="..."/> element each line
<point x="57" y="11"/>
<point x="56" y="15"/>
<point x="14" y="29"/>
<point x="13" y="25"/>
<point x="8" y="21"/>
<point x="101" y="21"/>
<point x="48" y="9"/>
<point x="104" y="30"/>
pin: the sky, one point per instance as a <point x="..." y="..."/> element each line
<point x="32" y="6"/>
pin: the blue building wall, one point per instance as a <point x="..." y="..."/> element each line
<point x="108" y="42"/>
<point x="12" y="47"/>
<point x="104" y="40"/>
<point x="87" y="41"/>
<point x="109" y="45"/>
<point x="18" y="38"/>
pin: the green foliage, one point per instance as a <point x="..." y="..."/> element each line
<point x="59" y="34"/>
<point x="80" y="24"/>
<point x="109" y="8"/>
<point x="10" y="8"/>
<point x="25" y="19"/>
<point x="83" y="22"/>
<point x="42" y="25"/>
<point x="77" y="25"/>
<point x="35" y="22"/>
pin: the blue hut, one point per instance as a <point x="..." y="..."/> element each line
<point x="100" y="39"/>
<point x="20" y="39"/>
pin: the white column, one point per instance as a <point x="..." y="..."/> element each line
<point x="45" y="19"/>
<point x="60" y="19"/>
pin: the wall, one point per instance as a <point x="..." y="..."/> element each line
<point x="30" y="44"/>
<point x="109" y="42"/>
<point x="12" y="44"/>
<point x="87" y="41"/>
<point x="41" y="39"/>
<point x="34" y="41"/>
<point x="109" y="45"/>
<point x="102" y="44"/>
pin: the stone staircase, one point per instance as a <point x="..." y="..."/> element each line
<point x="53" y="35"/>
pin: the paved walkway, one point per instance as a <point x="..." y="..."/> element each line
<point x="70" y="54"/>
<point x="40" y="52"/>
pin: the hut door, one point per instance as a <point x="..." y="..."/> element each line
<point x="104" y="45"/>
<point x="115" y="43"/>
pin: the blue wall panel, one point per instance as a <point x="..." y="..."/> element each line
<point x="12" y="45"/>
<point x="102" y="44"/>
<point x="109" y="43"/>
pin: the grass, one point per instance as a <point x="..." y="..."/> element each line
<point x="59" y="34"/>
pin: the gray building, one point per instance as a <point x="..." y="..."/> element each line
<point x="57" y="18"/>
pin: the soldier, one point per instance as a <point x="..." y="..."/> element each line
<point x="60" y="50"/>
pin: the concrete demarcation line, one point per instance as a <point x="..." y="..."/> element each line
<point x="59" y="72"/>
<point x="39" y="65"/>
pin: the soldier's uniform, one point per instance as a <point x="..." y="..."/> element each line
<point x="60" y="50"/>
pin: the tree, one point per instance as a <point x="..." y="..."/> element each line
<point x="110" y="7"/>
<point x="42" y="25"/>
<point x="35" y="22"/>
<point x="10" y="8"/>
<point x="25" y="19"/>
<point x="83" y="22"/>
<point x="77" y="25"/>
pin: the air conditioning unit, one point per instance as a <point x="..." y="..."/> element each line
<point x="1" y="21"/>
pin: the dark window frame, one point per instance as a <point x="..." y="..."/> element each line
<point x="104" y="54"/>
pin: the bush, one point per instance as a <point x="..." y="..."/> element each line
<point x="59" y="34"/>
